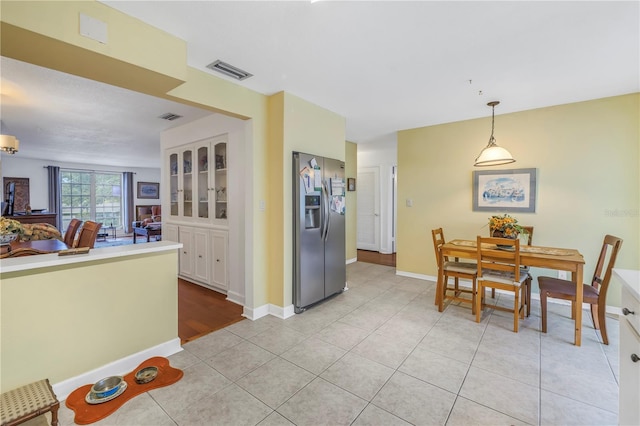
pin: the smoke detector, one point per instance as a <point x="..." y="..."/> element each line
<point x="170" y="116"/>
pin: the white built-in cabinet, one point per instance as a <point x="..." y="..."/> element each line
<point x="198" y="210"/>
<point x="629" y="351"/>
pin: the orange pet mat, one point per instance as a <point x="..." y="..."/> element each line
<point x="88" y="413"/>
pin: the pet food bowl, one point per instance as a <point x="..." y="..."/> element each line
<point x="146" y="375"/>
<point x="106" y="387"/>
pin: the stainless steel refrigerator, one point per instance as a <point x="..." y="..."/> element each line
<point x="319" y="269"/>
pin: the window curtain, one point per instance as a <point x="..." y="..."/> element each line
<point x="55" y="190"/>
<point x="127" y="201"/>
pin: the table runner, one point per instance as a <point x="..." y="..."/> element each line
<point x="526" y="249"/>
<point x="89" y="413"/>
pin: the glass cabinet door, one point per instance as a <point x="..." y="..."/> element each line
<point x="220" y="150"/>
<point x="173" y="184"/>
<point x="187" y="183"/>
<point x="203" y="182"/>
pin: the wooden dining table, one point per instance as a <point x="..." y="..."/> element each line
<point x="560" y="259"/>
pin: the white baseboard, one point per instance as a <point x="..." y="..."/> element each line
<point x="268" y="309"/>
<point x="413" y="275"/>
<point x="235" y="297"/>
<point x="119" y="367"/>
<point x="354" y="260"/>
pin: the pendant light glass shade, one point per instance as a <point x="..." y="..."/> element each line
<point x="9" y="144"/>
<point x="492" y="154"/>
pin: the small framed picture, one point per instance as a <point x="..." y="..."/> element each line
<point x="351" y="184"/>
<point x="148" y="190"/>
<point x="505" y="190"/>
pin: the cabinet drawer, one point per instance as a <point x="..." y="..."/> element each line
<point x="632" y="305"/>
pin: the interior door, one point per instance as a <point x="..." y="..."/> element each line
<point x="368" y="209"/>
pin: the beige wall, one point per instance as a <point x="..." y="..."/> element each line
<point x="351" y="171"/>
<point x="60" y="322"/>
<point x="587" y="157"/>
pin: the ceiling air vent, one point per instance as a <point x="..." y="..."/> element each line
<point x="229" y="70"/>
<point x="170" y="116"/>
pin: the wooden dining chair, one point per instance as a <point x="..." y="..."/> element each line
<point x="88" y="234"/>
<point x="528" y="282"/>
<point x="499" y="268"/>
<point x="72" y="229"/>
<point x="456" y="270"/>
<point x="595" y="293"/>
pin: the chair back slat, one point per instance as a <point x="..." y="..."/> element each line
<point x="611" y="247"/>
<point x="88" y="234"/>
<point x="490" y="258"/>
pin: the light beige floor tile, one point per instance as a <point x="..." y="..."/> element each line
<point x="502" y="394"/>
<point x="199" y="381"/>
<point x="343" y="335"/>
<point x="213" y="343"/>
<point x="314" y="355"/>
<point x="322" y="403"/>
<point x="436" y="369"/>
<point x="367" y="318"/>
<point x="278" y="339"/>
<point x="451" y="343"/>
<point x="386" y="349"/>
<point x="230" y="406"/>
<point x="517" y="366"/>
<point x="358" y="375"/>
<point x="183" y="359"/>
<point x="275" y="382"/>
<point x="275" y="419"/>
<point x="415" y="401"/>
<point x="466" y="412"/>
<point x="240" y="360"/>
<point x="375" y="416"/>
<point x="248" y="328"/>
<point x="558" y="410"/>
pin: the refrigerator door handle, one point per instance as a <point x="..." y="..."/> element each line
<point x="328" y="208"/>
<point x="325" y="213"/>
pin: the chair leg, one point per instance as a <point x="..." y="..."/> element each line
<point x="493" y="293"/>
<point x="543" y="308"/>
<point x="480" y="293"/>
<point x="443" y="292"/>
<point x="528" y="283"/>
<point x="516" y="310"/>
<point x="603" y="323"/>
<point x="473" y="296"/>
<point x="594" y="317"/>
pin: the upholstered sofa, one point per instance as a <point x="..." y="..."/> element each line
<point x="148" y="222"/>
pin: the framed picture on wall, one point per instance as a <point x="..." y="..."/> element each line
<point x="505" y="190"/>
<point x="351" y="184"/>
<point x="149" y="190"/>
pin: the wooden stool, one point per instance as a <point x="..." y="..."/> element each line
<point x="27" y="402"/>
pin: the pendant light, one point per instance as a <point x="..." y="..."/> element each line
<point x="8" y="143"/>
<point x="492" y="154"/>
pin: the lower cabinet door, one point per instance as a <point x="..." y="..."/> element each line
<point x="220" y="241"/>
<point x="201" y="255"/>
<point x="186" y="252"/>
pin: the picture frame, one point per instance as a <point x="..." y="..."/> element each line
<point x="22" y="198"/>
<point x="351" y="184"/>
<point x="149" y="190"/>
<point x="506" y="191"/>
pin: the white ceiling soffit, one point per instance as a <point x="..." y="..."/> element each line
<point x="392" y="65"/>
<point x="62" y="117"/>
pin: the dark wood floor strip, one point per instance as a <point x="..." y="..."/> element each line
<point x="202" y="311"/>
<point x="376" y="257"/>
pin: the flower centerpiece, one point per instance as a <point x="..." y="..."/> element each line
<point x="505" y="226"/>
<point x="9" y="230"/>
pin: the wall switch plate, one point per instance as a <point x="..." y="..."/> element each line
<point x="261" y="205"/>
<point x="409" y="202"/>
<point x="563" y="275"/>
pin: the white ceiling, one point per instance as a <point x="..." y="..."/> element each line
<point x="384" y="65"/>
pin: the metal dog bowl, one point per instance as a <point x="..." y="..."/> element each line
<point x="106" y="387"/>
<point x="146" y="374"/>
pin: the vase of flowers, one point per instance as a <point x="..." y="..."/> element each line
<point x="9" y="230"/>
<point x="505" y="226"/>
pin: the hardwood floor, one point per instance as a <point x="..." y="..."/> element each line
<point x="201" y="311"/>
<point x="376" y="257"/>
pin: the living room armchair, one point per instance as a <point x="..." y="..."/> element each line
<point x="148" y="222"/>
